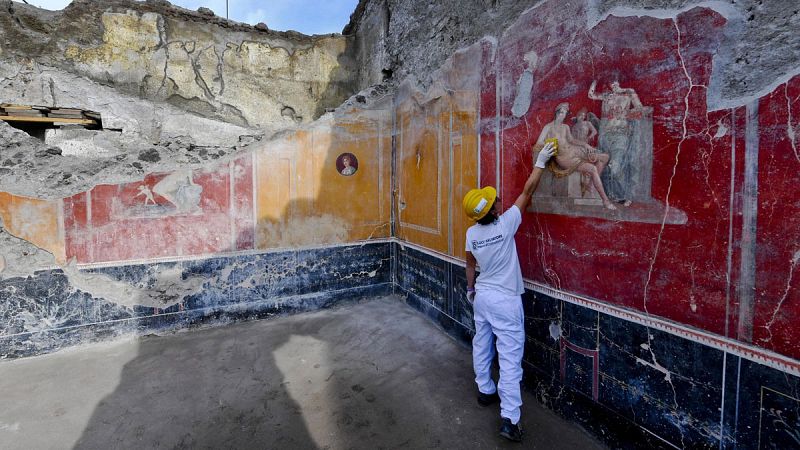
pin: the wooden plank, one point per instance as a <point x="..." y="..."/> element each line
<point x="66" y="116"/>
<point x="47" y="119"/>
<point x="31" y="113"/>
<point x="66" y="110"/>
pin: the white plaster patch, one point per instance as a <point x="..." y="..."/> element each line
<point x="168" y="288"/>
<point x="656" y="366"/>
<point x="593" y="16"/>
<point x="555" y="331"/>
<point x="722" y="130"/>
<point x="522" y="100"/>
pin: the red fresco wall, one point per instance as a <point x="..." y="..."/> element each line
<point x="119" y="222"/>
<point x="777" y="305"/>
<point x="688" y="272"/>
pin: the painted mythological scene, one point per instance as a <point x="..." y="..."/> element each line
<point x="640" y="207"/>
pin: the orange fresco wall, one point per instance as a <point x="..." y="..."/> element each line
<point x="437" y="152"/>
<point x="302" y="199"/>
<point x="34" y="220"/>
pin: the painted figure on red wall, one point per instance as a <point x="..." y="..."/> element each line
<point x="584" y="126"/>
<point x="144" y="191"/>
<point x="181" y="190"/>
<point x="624" y="136"/>
<point x="575" y="156"/>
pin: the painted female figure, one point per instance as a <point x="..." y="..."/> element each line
<point x="574" y="155"/>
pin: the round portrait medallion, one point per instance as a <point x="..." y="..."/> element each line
<point x="347" y="164"/>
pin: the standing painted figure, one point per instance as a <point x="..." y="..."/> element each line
<point x="497" y="294"/>
<point x="621" y="109"/>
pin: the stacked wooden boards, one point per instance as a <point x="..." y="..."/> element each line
<point x="45" y="114"/>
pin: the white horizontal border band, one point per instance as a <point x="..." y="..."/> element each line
<point x="747" y="351"/>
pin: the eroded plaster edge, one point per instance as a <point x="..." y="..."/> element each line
<point x="206" y="256"/>
<point x="594" y="16"/>
<point x="714" y="99"/>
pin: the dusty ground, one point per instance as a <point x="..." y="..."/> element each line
<point x="373" y="375"/>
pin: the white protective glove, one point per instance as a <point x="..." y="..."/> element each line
<point x="544" y="155"/>
<point x="471" y="296"/>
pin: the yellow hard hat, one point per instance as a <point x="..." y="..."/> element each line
<point x="478" y="202"/>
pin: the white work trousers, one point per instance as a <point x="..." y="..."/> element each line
<point x="501" y="315"/>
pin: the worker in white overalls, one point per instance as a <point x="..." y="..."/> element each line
<point x="497" y="294"/>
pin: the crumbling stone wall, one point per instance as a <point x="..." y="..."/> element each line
<point x="200" y="63"/>
<point x="409" y="38"/>
<point x="401" y="38"/>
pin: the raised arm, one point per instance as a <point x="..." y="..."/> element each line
<point x="592" y="94"/>
<point x="635" y="100"/>
<point x="536" y="174"/>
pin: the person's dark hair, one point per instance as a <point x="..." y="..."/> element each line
<point x="488" y="218"/>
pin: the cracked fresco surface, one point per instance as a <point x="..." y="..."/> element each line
<point x="690" y="270"/>
<point x="709" y="243"/>
<point x="54" y="309"/>
<point x="218" y="139"/>
<point x="283" y="193"/>
<point x="629" y="384"/>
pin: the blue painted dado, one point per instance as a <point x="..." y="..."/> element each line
<point x="43" y="312"/>
<point x="630" y="385"/>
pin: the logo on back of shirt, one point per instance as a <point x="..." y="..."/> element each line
<point x="487" y="242"/>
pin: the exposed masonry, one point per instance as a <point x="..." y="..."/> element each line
<point x="207" y="65"/>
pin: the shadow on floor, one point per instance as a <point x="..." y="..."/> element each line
<point x="372" y="375"/>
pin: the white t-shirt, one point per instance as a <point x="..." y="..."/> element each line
<point x="494" y="248"/>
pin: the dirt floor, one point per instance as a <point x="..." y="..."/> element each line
<point x="371" y="375"/>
